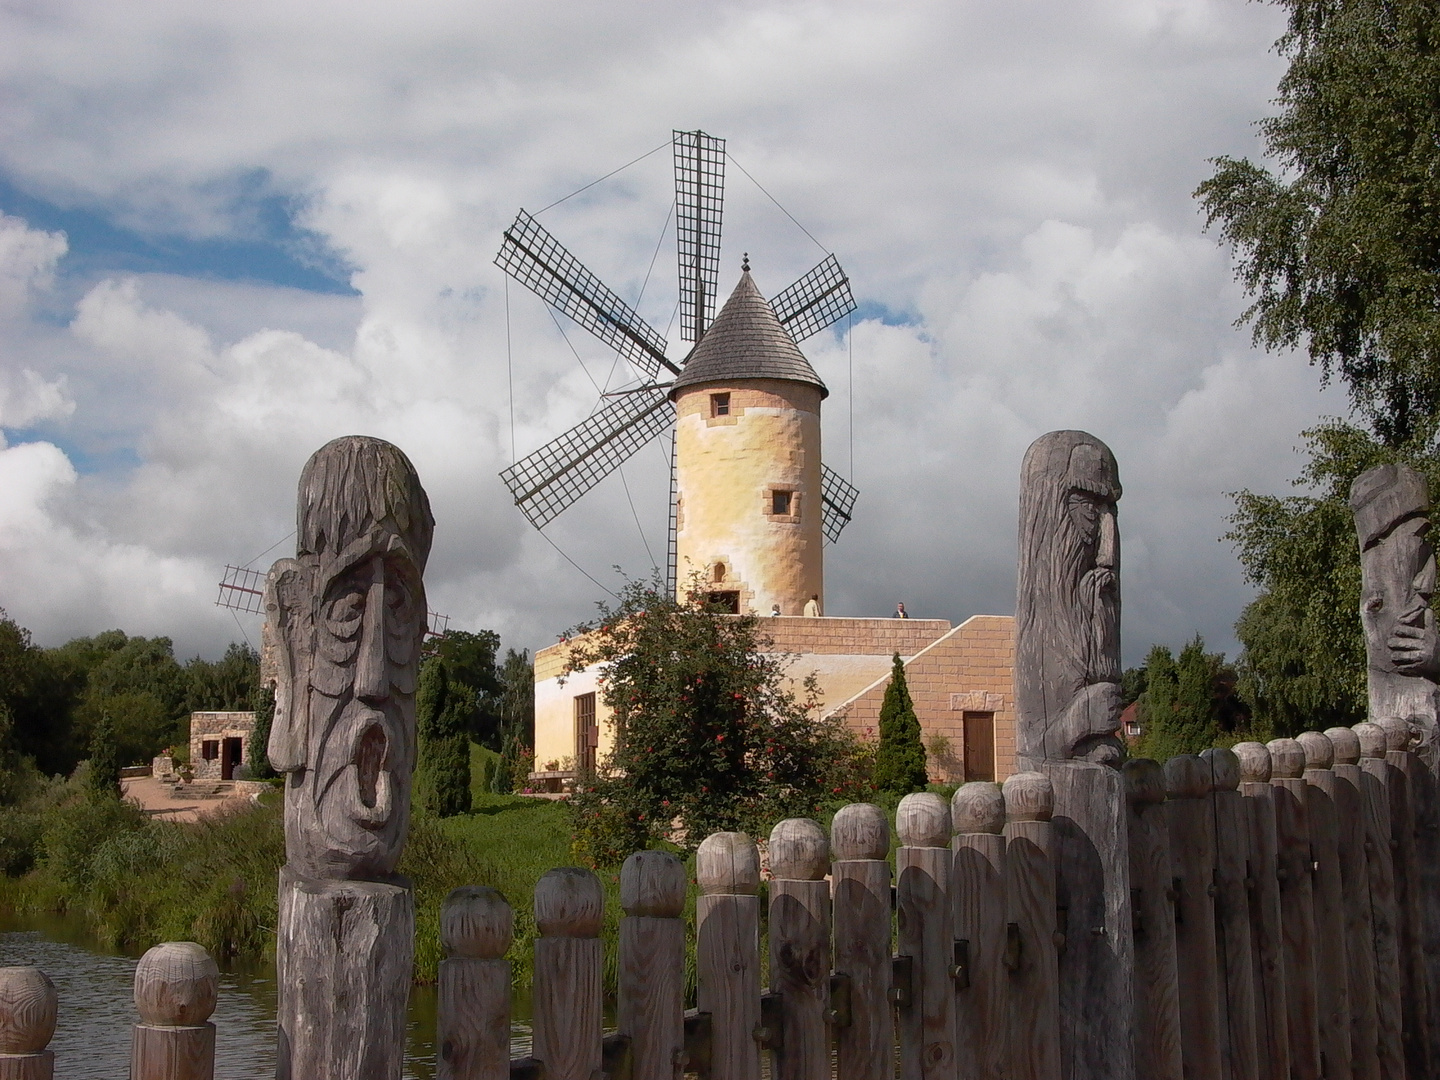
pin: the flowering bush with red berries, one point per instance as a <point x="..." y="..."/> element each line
<point x="709" y="734"/>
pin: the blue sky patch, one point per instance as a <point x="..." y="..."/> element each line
<point x="277" y="253"/>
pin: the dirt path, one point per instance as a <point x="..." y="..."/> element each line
<point x="159" y="801"/>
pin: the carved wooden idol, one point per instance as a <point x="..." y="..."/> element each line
<point x="1067" y="697"/>
<point x="344" y="623"/>
<point x="1397" y="567"/>
<point x="1067" y="613"/>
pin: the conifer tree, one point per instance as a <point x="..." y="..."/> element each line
<point x="442" y="779"/>
<point x="257" y="759"/>
<point x="900" y="758"/>
<point x="104" y="759"/>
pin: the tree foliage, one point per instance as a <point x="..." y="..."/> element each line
<point x="900" y="757"/>
<point x="709" y="735"/>
<point x="1303" y="659"/>
<point x="1339" y="244"/>
<point x="1188" y="704"/>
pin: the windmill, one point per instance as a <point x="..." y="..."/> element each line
<point x="548" y="481"/>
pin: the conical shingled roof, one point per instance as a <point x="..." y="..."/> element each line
<point x="746" y="341"/>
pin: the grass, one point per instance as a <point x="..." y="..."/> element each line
<point x="132" y="882"/>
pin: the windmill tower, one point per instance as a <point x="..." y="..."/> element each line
<point x="751" y="502"/>
<point x="747" y="462"/>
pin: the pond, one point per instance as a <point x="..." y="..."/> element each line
<point x="97" y="1007"/>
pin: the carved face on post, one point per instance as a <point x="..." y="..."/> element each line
<point x="1067" y="619"/>
<point x="344" y="622"/>
<point x="1391" y="507"/>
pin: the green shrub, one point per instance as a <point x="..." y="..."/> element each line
<point x="78" y="829"/>
<point x="20" y="832"/>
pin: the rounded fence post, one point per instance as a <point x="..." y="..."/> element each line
<point x="925" y="923"/>
<point x="1192" y="859"/>
<point x="1384" y="914"/>
<point x="1232" y="915"/>
<point x="1267" y="960"/>
<point x="1415" y="1004"/>
<point x="569" y="909"/>
<point x="28" y="1008"/>
<point x="860" y="878"/>
<point x="727" y="952"/>
<point x="1152" y="913"/>
<point x="652" y="963"/>
<point x="1355" y="889"/>
<point x="1292" y="838"/>
<point x="800" y="947"/>
<point x="977" y="814"/>
<point x="1332" y="977"/>
<point x="1031" y="934"/>
<point x="175" y="989"/>
<point x="473" y="1012"/>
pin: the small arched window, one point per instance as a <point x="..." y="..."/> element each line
<point x="719" y="571"/>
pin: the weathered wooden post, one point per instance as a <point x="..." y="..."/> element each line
<point x="926" y="925"/>
<point x="652" y="963"/>
<point x="1332" y="996"/>
<point x="1152" y="911"/>
<point x="1192" y="859"/>
<point x="1031" y="933"/>
<point x="800" y="947"/>
<point x="860" y="877"/>
<point x="727" y="952"/>
<point x="473" y="1012"/>
<point x="28" y="1008"/>
<point x="344" y="624"/>
<point x="977" y="886"/>
<point x="175" y="988"/>
<point x="1292" y="837"/>
<point x="1355" y="887"/>
<point x="1068" y="705"/>
<point x="1267" y="962"/>
<point x="1415" y="1007"/>
<point x="569" y="909"/>
<point x="1384" y="914"/>
<point x="1238" y="1035"/>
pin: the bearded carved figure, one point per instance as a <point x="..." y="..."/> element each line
<point x="1067" y="617"/>
<point x="344" y="623"/>
<point x="1397" y="565"/>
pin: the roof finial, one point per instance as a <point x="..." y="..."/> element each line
<point x="745" y="262"/>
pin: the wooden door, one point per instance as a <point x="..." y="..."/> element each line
<point x="979" y="745"/>
<point x="587" y="733"/>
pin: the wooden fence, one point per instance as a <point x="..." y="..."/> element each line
<point x="1285" y="917"/>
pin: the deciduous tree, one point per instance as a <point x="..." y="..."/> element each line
<point x="1338" y="240"/>
<point x="709" y="734"/>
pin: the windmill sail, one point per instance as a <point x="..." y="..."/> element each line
<point x="549" y="480"/>
<point x="837" y="499"/>
<point x="538" y="261"/>
<point x="699" y="198"/>
<point x="815" y="301"/>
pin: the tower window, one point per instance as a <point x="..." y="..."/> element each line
<point x="780" y="502"/>
<point x="719" y="404"/>
<point x="719" y="571"/>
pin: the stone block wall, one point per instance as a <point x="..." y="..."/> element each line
<point x="212" y="735"/>
<point x="972" y="668"/>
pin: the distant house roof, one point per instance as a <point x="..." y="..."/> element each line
<point x="746" y="341"/>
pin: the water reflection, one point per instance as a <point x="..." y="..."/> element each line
<point x="97" y="1008"/>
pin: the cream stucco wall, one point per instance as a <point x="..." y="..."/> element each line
<point x="726" y="469"/>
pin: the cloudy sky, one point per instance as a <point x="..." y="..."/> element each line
<point x="232" y="232"/>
